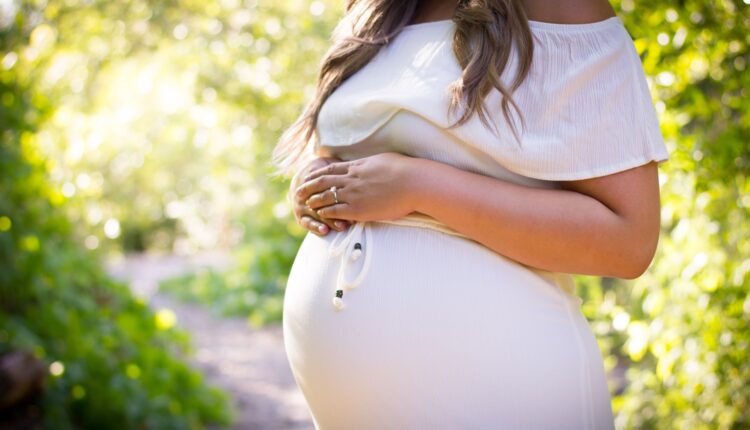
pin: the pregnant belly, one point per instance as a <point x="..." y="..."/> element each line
<point x="441" y="332"/>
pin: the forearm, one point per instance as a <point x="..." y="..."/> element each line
<point x="551" y="229"/>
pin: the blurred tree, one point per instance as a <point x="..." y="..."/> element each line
<point x="684" y="327"/>
<point x="109" y="362"/>
<point x="164" y="112"/>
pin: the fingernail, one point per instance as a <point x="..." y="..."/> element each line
<point x="322" y="228"/>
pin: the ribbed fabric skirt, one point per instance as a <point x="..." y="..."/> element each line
<point x="440" y="333"/>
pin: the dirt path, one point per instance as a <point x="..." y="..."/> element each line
<point x="249" y="363"/>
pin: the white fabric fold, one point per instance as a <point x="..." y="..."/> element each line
<point x="586" y="103"/>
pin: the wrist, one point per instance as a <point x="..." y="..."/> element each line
<point x="421" y="182"/>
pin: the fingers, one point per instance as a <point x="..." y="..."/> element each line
<point x="324" y="206"/>
<point x="309" y="219"/>
<point x="305" y="214"/>
<point x="314" y="226"/>
<point x="321" y="228"/>
<point x="341" y="210"/>
<point x="335" y="168"/>
<point x="323" y="198"/>
<point x="319" y="185"/>
<point x="314" y="164"/>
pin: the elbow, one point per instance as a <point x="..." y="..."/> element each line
<point x="639" y="258"/>
<point x="634" y="272"/>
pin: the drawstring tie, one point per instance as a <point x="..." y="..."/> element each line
<point x="352" y="247"/>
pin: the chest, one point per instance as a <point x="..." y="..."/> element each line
<point x="400" y="102"/>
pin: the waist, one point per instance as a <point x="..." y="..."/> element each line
<point x="564" y="281"/>
<point x="417" y="219"/>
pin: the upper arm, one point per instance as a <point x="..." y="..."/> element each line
<point x="568" y="11"/>
<point x="633" y="195"/>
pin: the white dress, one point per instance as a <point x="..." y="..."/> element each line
<point x="438" y="331"/>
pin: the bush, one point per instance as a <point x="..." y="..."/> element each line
<point x="112" y="362"/>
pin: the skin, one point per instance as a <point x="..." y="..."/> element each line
<point x="603" y="226"/>
<point x="303" y="213"/>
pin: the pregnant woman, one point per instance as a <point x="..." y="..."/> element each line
<point x="478" y="153"/>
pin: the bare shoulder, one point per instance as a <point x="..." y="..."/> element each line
<point x="568" y="11"/>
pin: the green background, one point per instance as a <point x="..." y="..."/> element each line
<point x="148" y="125"/>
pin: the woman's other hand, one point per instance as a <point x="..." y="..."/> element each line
<point x="304" y="214"/>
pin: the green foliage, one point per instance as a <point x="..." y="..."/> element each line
<point x="685" y="325"/>
<point x="111" y="360"/>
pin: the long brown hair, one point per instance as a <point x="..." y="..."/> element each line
<point x="486" y="31"/>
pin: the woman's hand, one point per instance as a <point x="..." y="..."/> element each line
<point x="304" y="214"/>
<point x="370" y="188"/>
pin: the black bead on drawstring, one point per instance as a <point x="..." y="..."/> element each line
<point x="340" y="293"/>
